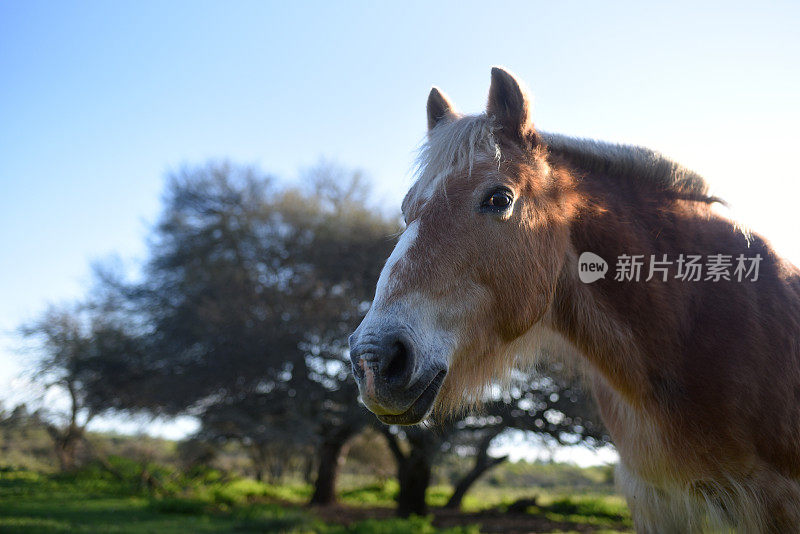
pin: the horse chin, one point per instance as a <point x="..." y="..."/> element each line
<point x="420" y="408"/>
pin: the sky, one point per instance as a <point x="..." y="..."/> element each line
<point x="100" y="100"/>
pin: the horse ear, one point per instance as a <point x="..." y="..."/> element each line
<point x="510" y="104"/>
<point x="439" y="106"/>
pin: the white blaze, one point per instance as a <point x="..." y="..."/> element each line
<point x="408" y="238"/>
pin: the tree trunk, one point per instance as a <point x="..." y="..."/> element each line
<point x="259" y="461"/>
<point x="414" y="477"/>
<point x="276" y="467"/>
<point x="308" y="469"/>
<point x="483" y="462"/>
<point x="413" y="468"/>
<point x="66" y="441"/>
<point x="65" y="445"/>
<point x="65" y="452"/>
<point x="330" y="457"/>
<point x="463" y="486"/>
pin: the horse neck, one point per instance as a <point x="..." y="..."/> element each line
<point x="631" y="331"/>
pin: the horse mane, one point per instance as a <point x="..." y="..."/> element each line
<point x="454" y="145"/>
<point x="632" y="162"/>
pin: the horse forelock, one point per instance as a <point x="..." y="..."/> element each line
<point x="451" y="147"/>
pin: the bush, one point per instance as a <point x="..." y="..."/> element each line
<point x="274" y="518"/>
<point x="372" y="494"/>
<point x="592" y="507"/>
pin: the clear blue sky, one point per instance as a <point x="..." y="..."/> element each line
<point x="98" y="100"/>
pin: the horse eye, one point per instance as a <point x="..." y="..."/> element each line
<point x="498" y="200"/>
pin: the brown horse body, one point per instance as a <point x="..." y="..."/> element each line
<point x="698" y="381"/>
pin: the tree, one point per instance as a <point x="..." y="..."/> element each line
<point x="64" y="344"/>
<point x="245" y="305"/>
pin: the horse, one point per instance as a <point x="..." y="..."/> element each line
<point x="507" y="252"/>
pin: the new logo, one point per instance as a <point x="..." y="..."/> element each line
<point x="591" y="267"/>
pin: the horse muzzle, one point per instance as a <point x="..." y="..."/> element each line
<point x="396" y="382"/>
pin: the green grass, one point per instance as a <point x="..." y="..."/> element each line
<point x="600" y="510"/>
<point x="88" y="502"/>
<point x="596" y="509"/>
<point x="208" y="501"/>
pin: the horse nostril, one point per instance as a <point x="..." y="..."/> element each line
<point x="358" y="371"/>
<point x="385" y="361"/>
<point x="399" y="364"/>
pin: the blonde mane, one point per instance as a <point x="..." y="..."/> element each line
<point x="454" y="145"/>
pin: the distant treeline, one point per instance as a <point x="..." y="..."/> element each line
<point x="25" y="443"/>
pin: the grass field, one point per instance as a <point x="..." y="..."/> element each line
<point x="167" y="502"/>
